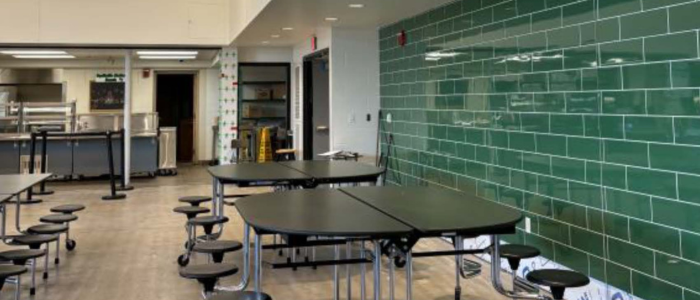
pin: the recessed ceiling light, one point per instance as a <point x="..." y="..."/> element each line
<point x="168" y="53"/>
<point x="265" y="42"/>
<point x="44" y="56"/>
<point x="331" y="19"/>
<point x="275" y="36"/>
<point x="356" y="5"/>
<point x="181" y="57"/>
<point x="33" y="52"/>
<point x="288" y="28"/>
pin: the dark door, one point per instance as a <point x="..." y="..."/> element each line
<point x="316" y="105"/>
<point x="175" y="107"/>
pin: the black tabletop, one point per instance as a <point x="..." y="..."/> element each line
<point x="433" y="211"/>
<point x="322" y="212"/>
<point x="14" y="184"/>
<point x="257" y="172"/>
<point x="341" y="171"/>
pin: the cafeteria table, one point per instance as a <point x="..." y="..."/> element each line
<point x="391" y="217"/>
<point x="12" y="185"/>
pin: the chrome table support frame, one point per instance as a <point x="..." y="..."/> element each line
<point x="363" y="284"/>
<point x="246" y="264"/>
<point x="348" y="269"/>
<point x="392" y="269"/>
<point x="258" y="263"/>
<point x="377" y="270"/>
<point x="336" y="273"/>
<point x="409" y="275"/>
<point x="459" y="246"/>
<point x="17" y="282"/>
<point x="496" y="274"/>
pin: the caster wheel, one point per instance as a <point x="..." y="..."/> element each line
<point x="182" y="260"/>
<point x="56" y="261"/>
<point x="46" y="275"/>
<point x="280" y="253"/>
<point x="187" y="245"/>
<point x="32" y="291"/>
<point x="70" y="245"/>
<point x="399" y="262"/>
<point x="174" y="172"/>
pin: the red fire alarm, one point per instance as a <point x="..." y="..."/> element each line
<point x="146" y="73"/>
<point x="314" y="43"/>
<point x="402" y="38"/>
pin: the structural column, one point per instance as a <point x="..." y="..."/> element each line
<point x="127" y="116"/>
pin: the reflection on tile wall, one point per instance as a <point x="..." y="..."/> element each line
<point x="585" y="115"/>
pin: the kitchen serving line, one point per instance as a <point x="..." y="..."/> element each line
<point x="392" y="218"/>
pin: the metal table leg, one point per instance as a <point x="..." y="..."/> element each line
<point x="409" y="275"/>
<point x="377" y="270"/>
<point x="348" y="270"/>
<point x="459" y="244"/>
<point x="258" y="263"/>
<point x="336" y="273"/>
<point x="496" y="274"/>
<point x="392" y="269"/>
<point x="243" y="284"/>
<point x="363" y="270"/>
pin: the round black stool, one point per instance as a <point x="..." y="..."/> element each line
<point x="20" y="257"/>
<point x="208" y="224"/>
<point x="191" y="211"/>
<point x="9" y="271"/>
<point x="67" y="208"/>
<point x="514" y="253"/>
<point x="34" y="241"/>
<point x="208" y="275"/>
<point x="62" y="219"/>
<point x="56" y="229"/>
<point x="217" y="249"/>
<point x="194" y="200"/>
<point x="242" y="295"/>
<point x="558" y="280"/>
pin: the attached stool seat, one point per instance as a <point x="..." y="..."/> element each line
<point x="47" y="229"/>
<point x="34" y="241"/>
<point x="208" y="222"/>
<point x="9" y="271"/>
<point x="242" y="295"/>
<point x="67" y="208"/>
<point x="194" y="200"/>
<point x="558" y="280"/>
<point x="217" y="249"/>
<point x="191" y="211"/>
<point x="20" y="257"/>
<point x="58" y="218"/>
<point x="514" y="253"/>
<point x="208" y="274"/>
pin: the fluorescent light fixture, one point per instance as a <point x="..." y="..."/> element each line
<point x="356" y="5"/>
<point x="49" y="56"/>
<point x="33" y="52"/>
<point x="178" y="57"/>
<point x="265" y="42"/>
<point x="331" y="19"/>
<point x="168" y="53"/>
<point x="275" y="36"/>
<point x="287" y="28"/>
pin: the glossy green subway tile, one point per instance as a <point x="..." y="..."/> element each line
<point x="686" y="74"/>
<point x="616" y="225"/>
<point x="497" y="138"/>
<point x="472" y="36"/>
<point x="482" y="17"/>
<point x="656" y="237"/>
<point x="607" y="30"/>
<point x="586" y="194"/>
<point x="555" y="3"/>
<point x="545" y="246"/>
<point x="538" y="204"/>
<point x="563" y="38"/>
<point x="495" y="66"/>
<point x="595" y="220"/>
<point x="554" y="230"/>
<point x="690" y="246"/>
<point x="594" y="172"/>
<point x="518" y="26"/>
<point x="510" y="159"/>
<point x="582" y="57"/>
<point x="647" y="287"/>
<point x="647" y="76"/>
<point x="551" y="144"/>
<point x="652" y="182"/>
<point x="550" y="102"/>
<point x="678" y="271"/>
<point x="684" y="17"/>
<point x="588" y="241"/>
<point x="644" y="24"/>
<point x="506" y="84"/>
<point x="532" y="42"/>
<point x="585" y="148"/>
<point x="455" y="134"/>
<point x="547" y="19"/>
<point x="610" y="8"/>
<point x="689" y="295"/>
<point x="618" y="276"/>
<point x="657" y="129"/>
<point x="537" y="163"/>
<point x="530" y="6"/>
<point x="569" y="168"/>
<point x="497" y="174"/>
<point x="510" y="197"/>
<point x="627" y="102"/>
<point x="651" y="4"/>
<point x="623" y="52"/>
<point x="565" y="81"/>
<point x="674" y="158"/>
<point x="629" y="153"/>
<point x="524" y="181"/>
<point x="477" y="170"/>
<point x="522" y="141"/>
<point x="570" y="257"/>
<point x="486" y="155"/>
<point x="580" y="12"/>
<point x="676" y="214"/>
<point x="673" y="102"/>
<point x="629" y="204"/>
<point x="475" y="136"/>
<point x="553" y="187"/>
<point x="569" y="213"/>
<point x="473" y="69"/>
<point x="689" y="188"/>
<point x="474" y="103"/>
<point x="505" y="47"/>
<point x="670" y="47"/>
<point x="520" y="102"/>
<point x="535" y="122"/>
<point x="492" y="32"/>
<point x="567" y="124"/>
<point x="587" y="103"/>
<point x="631" y="255"/>
<point x="587" y="33"/>
<point x="534" y="82"/>
<point x="686" y="131"/>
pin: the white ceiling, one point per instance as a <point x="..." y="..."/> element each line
<point x="306" y="15"/>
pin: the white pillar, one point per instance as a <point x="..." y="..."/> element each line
<point x="127" y="117"/>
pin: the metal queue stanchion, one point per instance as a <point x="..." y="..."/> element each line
<point x="44" y="143"/>
<point x="110" y="157"/>
<point x="122" y="179"/>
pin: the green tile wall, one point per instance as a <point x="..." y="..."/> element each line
<point x="584" y="114"/>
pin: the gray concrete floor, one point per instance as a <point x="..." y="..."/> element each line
<point x="127" y="250"/>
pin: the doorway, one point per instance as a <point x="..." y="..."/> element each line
<point x="316" y="104"/>
<point x="175" y="107"/>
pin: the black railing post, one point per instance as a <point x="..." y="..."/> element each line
<point x="44" y="155"/>
<point x="110" y="157"/>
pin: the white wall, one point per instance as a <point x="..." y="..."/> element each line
<point x="354" y="61"/>
<point x="207" y="111"/>
<point x="154" y="22"/>
<point x="78" y="88"/>
<point x="264" y="54"/>
<point x="241" y="13"/>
